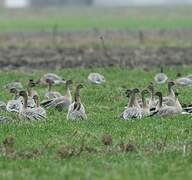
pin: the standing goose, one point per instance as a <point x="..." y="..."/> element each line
<point x="170" y="99"/>
<point x="27" y="112"/>
<point x="51" y="94"/>
<point x="161" y="77"/>
<point x="61" y="102"/>
<point x="164" y="110"/>
<point x="15" y="104"/>
<point x="76" y="109"/>
<point x="152" y="101"/>
<point x="54" y="77"/>
<point x="132" y="110"/>
<point x="39" y="109"/>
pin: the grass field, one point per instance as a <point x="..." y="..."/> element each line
<point x="91" y="18"/>
<point x="154" y="148"/>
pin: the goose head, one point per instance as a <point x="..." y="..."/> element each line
<point x="144" y="92"/>
<point x="158" y="94"/>
<point x="35" y="97"/>
<point x="31" y="83"/>
<point x="49" y="81"/>
<point x="128" y="92"/>
<point x="178" y="74"/>
<point x="171" y="83"/>
<point x="176" y="94"/>
<point x="13" y="91"/>
<point x="69" y="82"/>
<point x="135" y="91"/>
<point x="79" y="86"/>
<point x="23" y="93"/>
<point x="151" y="87"/>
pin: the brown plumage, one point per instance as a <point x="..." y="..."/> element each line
<point x="61" y="102"/>
<point x="76" y="109"/>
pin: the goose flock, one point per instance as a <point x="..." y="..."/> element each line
<point x="156" y="104"/>
<point x="27" y="105"/>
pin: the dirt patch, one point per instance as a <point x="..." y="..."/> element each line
<point x="55" y="58"/>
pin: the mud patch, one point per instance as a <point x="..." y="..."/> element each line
<point x="57" y="58"/>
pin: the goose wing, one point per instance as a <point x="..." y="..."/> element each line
<point x="59" y="103"/>
<point x="168" y="110"/>
<point x="32" y="114"/>
<point x="132" y="112"/>
<point x="52" y="95"/>
<point x="76" y="111"/>
<point x="14" y="106"/>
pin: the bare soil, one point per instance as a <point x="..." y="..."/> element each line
<point x="56" y="58"/>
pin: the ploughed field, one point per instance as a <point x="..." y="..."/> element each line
<point x="69" y="37"/>
<point x="103" y="146"/>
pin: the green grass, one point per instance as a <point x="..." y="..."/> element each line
<point x="158" y="141"/>
<point x="90" y="18"/>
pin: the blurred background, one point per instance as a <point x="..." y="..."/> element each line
<point x="46" y="3"/>
<point x="66" y="33"/>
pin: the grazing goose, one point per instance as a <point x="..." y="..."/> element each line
<point x="51" y="94"/>
<point x="4" y="119"/>
<point x="55" y="78"/>
<point x="61" y="102"/>
<point x="189" y="76"/>
<point x="38" y="108"/>
<point x="167" y="110"/>
<point x="16" y="85"/>
<point x="161" y="77"/>
<point x="184" y="81"/>
<point x="132" y="110"/>
<point x="96" y="78"/>
<point x="15" y="104"/>
<point x="76" y="109"/>
<point x="27" y="112"/>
